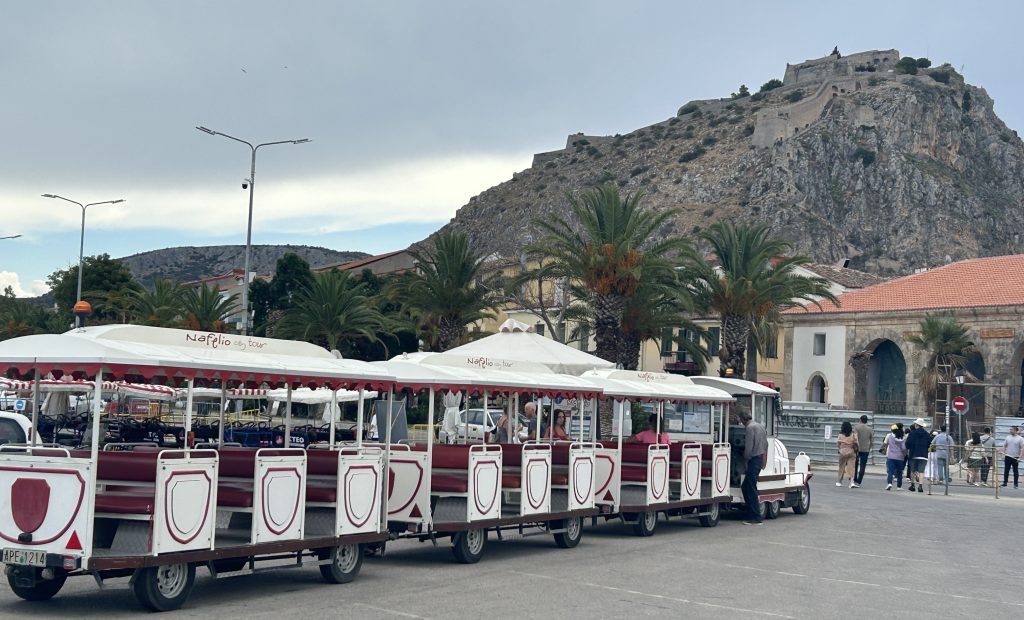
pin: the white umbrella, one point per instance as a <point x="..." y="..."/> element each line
<point x="452" y="400"/>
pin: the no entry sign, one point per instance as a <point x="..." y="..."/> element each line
<point x="960" y="405"/>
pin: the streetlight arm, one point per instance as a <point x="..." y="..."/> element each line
<point x="218" y="133"/>
<point x="300" y="141"/>
<point x="74" y="202"/>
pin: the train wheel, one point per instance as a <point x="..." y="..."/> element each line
<point x="714" y="513"/>
<point x="774" y="508"/>
<point x="163" y="588"/>
<point x="645" y="523"/>
<point x="804" y="503"/>
<point x="468" y="546"/>
<point x="763" y="506"/>
<point x="572" y="535"/>
<point x="345" y="562"/>
<point x="40" y="589"/>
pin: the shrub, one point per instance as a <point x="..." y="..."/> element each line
<point x="638" y="170"/>
<point x="709" y="141"/>
<point x="715" y="122"/>
<point x="795" y="96"/>
<point x="940" y="76"/>
<point x="593" y="152"/>
<point x="748" y="130"/>
<point x="709" y="212"/>
<point x="907" y="65"/>
<point x="687" y="109"/>
<point x="743" y="92"/>
<point x="757" y="97"/>
<point x="865" y="156"/>
<point x="688" y="134"/>
<point x="873" y="81"/>
<point x="923" y="63"/>
<point x="691" y="154"/>
<point x="771" y="84"/>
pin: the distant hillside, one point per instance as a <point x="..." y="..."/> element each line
<point x="184" y="264"/>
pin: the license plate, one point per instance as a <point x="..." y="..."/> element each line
<point x="23" y="557"/>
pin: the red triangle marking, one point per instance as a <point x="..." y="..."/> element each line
<point x="73" y="543"/>
<point x="416" y="512"/>
<point x="608" y="497"/>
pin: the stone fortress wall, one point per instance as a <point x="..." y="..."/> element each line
<point x="833" y="76"/>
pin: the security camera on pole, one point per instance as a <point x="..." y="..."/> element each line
<point x="249" y="183"/>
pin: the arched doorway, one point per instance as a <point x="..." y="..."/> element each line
<point x="975" y="365"/>
<point x="817" y="389"/>
<point x="887" y="379"/>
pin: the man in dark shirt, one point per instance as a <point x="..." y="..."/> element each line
<point x="917" y="452"/>
<point x="755" y="453"/>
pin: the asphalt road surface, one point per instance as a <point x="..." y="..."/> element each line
<point x="863" y="553"/>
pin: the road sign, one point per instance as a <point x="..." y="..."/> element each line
<point x="960" y="405"/>
<point x="19" y="405"/>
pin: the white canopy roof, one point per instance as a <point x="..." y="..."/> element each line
<point x="152" y="392"/>
<point x="485" y="373"/>
<point x="515" y="341"/>
<point x="632" y="384"/>
<point x="173" y="354"/>
<point x="736" y="387"/>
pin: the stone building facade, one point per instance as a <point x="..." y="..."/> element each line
<point x="858" y="355"/>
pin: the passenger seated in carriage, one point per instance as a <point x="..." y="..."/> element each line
<point x="650" y="436"/>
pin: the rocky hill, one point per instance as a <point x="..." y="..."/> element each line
<point x="847" y="157"/>
<point x="184" y="264"/>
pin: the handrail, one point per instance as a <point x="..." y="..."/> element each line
<point x="27" y="449"/>
<point x="538" y="447"/>
<point x="486" y="448"/>
<point x="189" y="454"/>
<point x="360" y="451"/>
<point x="584" y="445"/>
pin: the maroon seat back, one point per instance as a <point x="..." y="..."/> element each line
<point x="322" y="462"/>
<point x="705" y="451"/>
<point x="237" y="462"/>
<point x="127" y="465"/>
<point x="634" y="453"/>
<point x="511" y="454"/>
<point x="560" y="454"/>
<point x="450" y="457"/>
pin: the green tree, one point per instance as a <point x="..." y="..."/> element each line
<point x="205" y="309"/>
<point x="658" y="305"/>
<point x="100" y="274"/>
<point x="749" y="278"/>
<point x="906" y="65"/>
<point x="291" y="274"/>
<point x="446" y="292"/>
<point x="743" y="92"/>
<point x="603" y="252"/>
<point x="923" y="63"/>
<point x="22" y="318"/>
<point x="160" y="307"/>
<point x="333" y="309"/>
<point x="398" y="335"/>
<point x="771" y="84"/>
<point x="946" y="342"/>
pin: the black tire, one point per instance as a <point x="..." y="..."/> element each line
<point x="573" y="532"/>
<point x="803" y="503"/>
<point x="763" y="507"/>
<point x="774" y="509"/>
<point x="645" y="524"/>
<point x="43" y="590"/>
<point x="344" y="565"/>
<point x="713" y="516"/>
<point x="164" y="588"/>
<point x="468" y="547"/>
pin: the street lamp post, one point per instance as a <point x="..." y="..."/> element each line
<point x="251" y="182"/>
<point x="81" y="243"/>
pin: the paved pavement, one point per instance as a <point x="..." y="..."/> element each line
<point x="859" y="553"/>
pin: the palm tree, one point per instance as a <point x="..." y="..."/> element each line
<point x="948" y="346"/>
<point x="205" y="309"/>
<point x="446" y="292"/>
<point x="21" y="318"/>
<point x="118" y="303"/>
<point x="604" y="252"/>
<point x="749" y="279"/>
<point x="330" y="310"/>
<point x="160" y="307"/>
<point x="654" y="308"/>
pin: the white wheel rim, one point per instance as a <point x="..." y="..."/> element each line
<point x="650" y="520"/>
<point x="170" y="579"/>
<point x="805" y="498"/>
<point x="475" y="541"/>
<point x="713" y="512"/>
<point x="345" y="558"/>
<point x="572" y="528"/>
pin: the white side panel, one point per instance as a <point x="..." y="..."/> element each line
<point x="360" y="476"/>
<point x="608" y="477"/>
<point x="484" y="491"/>
<point x="279" y="495"/>
<point x="582" y="477"/>
<point x="720" y="469"/>
<point x="408" y="487"/>
<point x="535" y="481"/>
<point x="657" y="474"/>
<point x="689" y="473"/>
<point x="49" y="498"/>
<point x="185" y="502"/>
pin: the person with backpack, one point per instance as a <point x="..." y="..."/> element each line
<point x="895" y="447"/>
<point x="917" y="453"/>
<point x="975" y="455"/>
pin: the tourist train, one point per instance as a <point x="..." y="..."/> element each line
<point x="235" y="498"/>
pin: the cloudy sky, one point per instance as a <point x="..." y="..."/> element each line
<point x="412" y="107"/>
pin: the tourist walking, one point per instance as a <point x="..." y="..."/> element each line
<point x="975" y="456"/>
<point x="940" y="445"/>
<point x="755" y="453"/>
<point x="846" y="443"/>
<point x="895" y="453"/>
<point x="1012" y="447"/>
<point x="917" y="453"/>
<point x="988" y="442"/>
<point x="865" y="439"/>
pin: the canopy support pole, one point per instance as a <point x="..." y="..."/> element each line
<point x="97" y="408"/>
<point x="593" y="418"/>
<point x="188" y="415"/>
<point x="430" y="448"/>
<point x="513" y="419"/>
<point x="335" y="408"/>
<point x="359" y="418"/>
<point x="288" y="417"/>
<point x="465" y="424"/>
<point x="387" y="456"/>
<point x="223" y="405"/>
<point x="620" y="405"/>
<point x="35" y="407"/>
<point x="580" y="400"/>
<point x="483" y="427"/>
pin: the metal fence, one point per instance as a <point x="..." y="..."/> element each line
<point x="802" y="428"/>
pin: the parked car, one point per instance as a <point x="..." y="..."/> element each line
<point x="481" y="425"/>
<point x="14" y="427"/>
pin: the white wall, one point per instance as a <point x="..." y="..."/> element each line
<point x="832" y="365"/>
